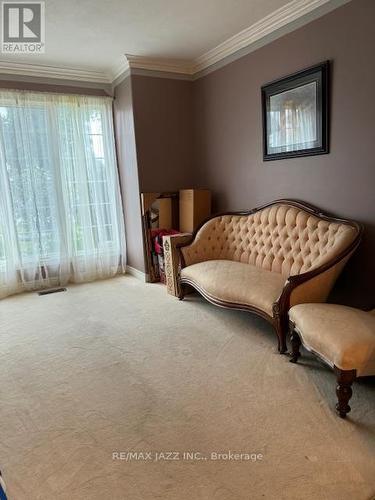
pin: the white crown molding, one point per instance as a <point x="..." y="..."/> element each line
<point x="58" y="72"/>
<point x="179" y="66"/>
<point x="248" y="38"/>
<point x="251" y="38"/>
<point x="278" y="19"/>
<point x="119" y="70"/>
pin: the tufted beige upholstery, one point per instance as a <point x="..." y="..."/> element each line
<point x="342" y="336"/>
<point x="247" y="285"/>
<point x="268" y="260"/>
<point x="280" y="238"/>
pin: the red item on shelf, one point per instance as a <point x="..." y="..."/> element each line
<point x="157" y="238"/>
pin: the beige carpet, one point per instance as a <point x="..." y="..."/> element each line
<point x="120" y="366"/>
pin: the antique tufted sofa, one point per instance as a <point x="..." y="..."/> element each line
<point x="267" y="260"/>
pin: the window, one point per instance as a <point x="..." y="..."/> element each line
<point x="60" y="206"/>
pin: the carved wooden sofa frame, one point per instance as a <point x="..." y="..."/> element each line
<point x="298" y="288"/>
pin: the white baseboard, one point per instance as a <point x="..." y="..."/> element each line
<point x="136" y="273"/>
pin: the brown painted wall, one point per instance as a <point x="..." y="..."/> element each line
<point x="153" y="122"/>
<point x="128" y="169"/>
<point x="228" y="132"/>
<point x="163" y="127"/>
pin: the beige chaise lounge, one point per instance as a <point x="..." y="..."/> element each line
<point x="267" y="259"/>
<point x="343" y="337"/>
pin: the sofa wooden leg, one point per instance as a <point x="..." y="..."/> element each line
<point x="344" y="392"/>
<point x="283" y="333"/>
<point x="295" y="342"/>
<point x="282" y="346"/>
<point x="281" y="338"/>
<point x="281" y="326"/>
<point x="181" y="293"/>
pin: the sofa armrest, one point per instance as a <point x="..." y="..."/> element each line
<point x="313" y="286"/>
<point x="317" y="288"/>
<point x="172" y="261"/>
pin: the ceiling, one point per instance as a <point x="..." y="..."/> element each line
<point x="94" y="35"/>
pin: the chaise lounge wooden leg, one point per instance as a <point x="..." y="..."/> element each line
<point x="344" y="392"/>
<point x="296" y="343"/>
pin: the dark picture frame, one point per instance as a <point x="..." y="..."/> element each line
<point x="295" y="114"/>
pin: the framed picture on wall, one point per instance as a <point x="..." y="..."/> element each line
<point x="295" y="114"/>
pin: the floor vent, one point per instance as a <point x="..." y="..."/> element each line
<point x="52" y="290"/>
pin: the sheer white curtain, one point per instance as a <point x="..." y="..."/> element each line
<point x="60" y="207"/>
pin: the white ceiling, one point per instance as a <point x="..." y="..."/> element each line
<point x="94" y="35"/>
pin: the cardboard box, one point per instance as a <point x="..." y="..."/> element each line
<point x="195" y="206"/>
<point x="164" y="206"/>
